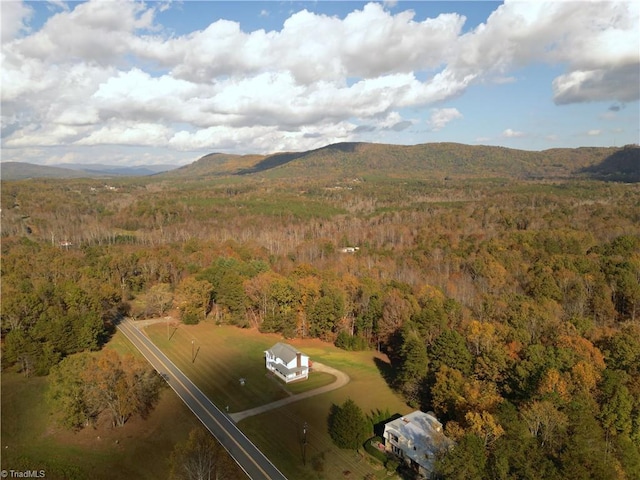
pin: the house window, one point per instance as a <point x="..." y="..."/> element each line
<point x="393" y="437"/>
<point x="398" y="451"/>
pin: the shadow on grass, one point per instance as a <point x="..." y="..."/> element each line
<point x="195" y="355"/>
<point x="386" y="370"/>
<point x="175" y="329"/>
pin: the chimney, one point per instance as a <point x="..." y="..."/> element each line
<point x="298" y="359"/>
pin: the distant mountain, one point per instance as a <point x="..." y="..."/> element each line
<point x="102" y="169"/>
<point x="23" y="170"/>
<point x="427" y="160"/>
<point x="348" y="160"/>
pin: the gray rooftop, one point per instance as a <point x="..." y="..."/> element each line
<point x="284" y="351"/>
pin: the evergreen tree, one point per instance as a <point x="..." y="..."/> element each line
<point x="413" y="366"/>
<point x="348" y="425"/>
<point x="450" y="349"/>
<point x="465" y="461"/>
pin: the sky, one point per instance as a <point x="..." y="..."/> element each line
<point x="164" y="82"/>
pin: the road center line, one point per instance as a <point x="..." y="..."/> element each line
<point x="127" y="327"/>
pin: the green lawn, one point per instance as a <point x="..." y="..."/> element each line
<point x="31" y="440"/>
<point x="315" y="380"/>
<point x="141" y="448"/>
<point x="222" y="357"/>
<point x="228" y="353"/>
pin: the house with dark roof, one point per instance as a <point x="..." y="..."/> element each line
<point x="416" y="439"/>
<point x="287" y="362"/>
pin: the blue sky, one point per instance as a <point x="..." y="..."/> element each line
<point x="165" y="82"/>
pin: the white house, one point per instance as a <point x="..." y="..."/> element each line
<point x="287" y="362"/>
<point x="416" y="439"/>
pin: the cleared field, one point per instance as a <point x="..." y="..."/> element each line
<point x="32" y="441"/>
<point x="228" y="353"/>
<point x="216" y="358"/>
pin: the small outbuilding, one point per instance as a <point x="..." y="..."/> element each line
<point x="287" y="362"/>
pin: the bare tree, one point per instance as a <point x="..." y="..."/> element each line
<point x="201" y="457"/>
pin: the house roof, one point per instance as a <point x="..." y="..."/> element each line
<point x="284" y="351"/>
<point x="420" y="436"/>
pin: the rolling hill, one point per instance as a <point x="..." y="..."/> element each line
<point x="427" y="160"/>
<point x="25" y="170"/>
<point x="341" y="160"/>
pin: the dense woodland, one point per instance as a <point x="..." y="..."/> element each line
<point x="509" y="307"/>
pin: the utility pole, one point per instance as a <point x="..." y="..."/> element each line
<point x="193" y="357"/>
<point x="304" y="443"/>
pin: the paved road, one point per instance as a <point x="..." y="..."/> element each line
<point x="341" y="380"/>
<point x="245" y="453"/>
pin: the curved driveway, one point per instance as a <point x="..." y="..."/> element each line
<point x="341" y="380"/>
<point x="254" y="463"/>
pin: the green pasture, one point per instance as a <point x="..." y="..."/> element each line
<point x="31" y="439"/>
<point x="224" y="354"/>
<point x="222" y="358"/>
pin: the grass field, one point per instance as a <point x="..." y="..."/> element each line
<point x="141" y="448"/>
<point x="224" y="354"/>
<point x="31" y="440"/>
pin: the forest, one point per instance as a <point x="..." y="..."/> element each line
<point x="510" y="307"/>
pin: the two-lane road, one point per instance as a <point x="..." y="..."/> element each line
<point x="245" y="453"/>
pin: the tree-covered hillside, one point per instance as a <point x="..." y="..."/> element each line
<point x="435" y="160"/>
<point x="509" y="307"/>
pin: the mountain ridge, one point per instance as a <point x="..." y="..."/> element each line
<point x="428" y="159"/>
<point x="349" y="159"/>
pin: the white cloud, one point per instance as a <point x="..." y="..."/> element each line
<point x="103" y="73"/>
<point x="619" y="83"/>
<point x="47" y="135"/>
<point x="93" y="31"/>
<point x="14" y="16"/>
<point x="509" y="133"/>
<point x="441" y="116"/>
<point x="594" y="133"/>
<point x="260" y="138"/>
<point x="344" y="49"/>
<point x="135" y="94"/>
<point x="128" y="133"/>
<point x="597" y="41"/>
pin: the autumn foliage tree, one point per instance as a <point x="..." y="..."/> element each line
<point x="84" y="386"/>
<point x="193" y="299"/>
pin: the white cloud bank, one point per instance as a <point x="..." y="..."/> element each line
<point x="106" y="74"/>
<point x="509" y="133"/>
<point x="441" y="116"/>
